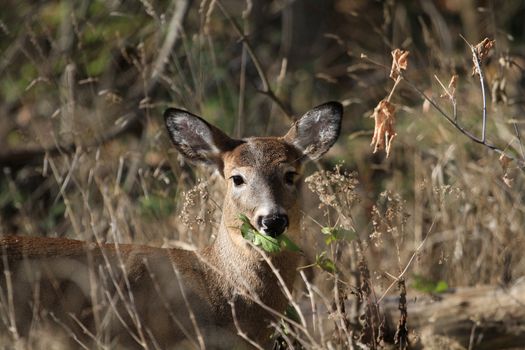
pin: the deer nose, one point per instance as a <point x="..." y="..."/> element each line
<point x="272" y="225"/>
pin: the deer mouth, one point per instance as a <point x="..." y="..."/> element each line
<point x="273" y="225"/>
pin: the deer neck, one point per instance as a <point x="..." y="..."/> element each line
<point x="240" y="269"/>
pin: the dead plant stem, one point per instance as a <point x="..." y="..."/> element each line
<point x="416" y="251"/>
<point x="266" y="88"/>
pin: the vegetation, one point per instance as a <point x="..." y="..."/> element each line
<point x="434" y="204"/>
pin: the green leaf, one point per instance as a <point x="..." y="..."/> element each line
<point x="334" y="234"/>
<point x="292" y="313"/>
<point x="247" y="232"/>
<point x="289" y="244"/>
<point x="325" y="263"/>
<point x="441" y="287"/>
<point x="245" y="219"/>
<point x="266" y="243"/>
<point x="327" y="230"/>
<point x="426" y="285"/>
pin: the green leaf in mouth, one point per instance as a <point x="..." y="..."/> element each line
<point x="265" y="242"/>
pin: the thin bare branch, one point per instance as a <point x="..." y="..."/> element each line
<point x="175" y="25"/>
<point x="479" y="71"/>
<point x="518" y="136"/>
<point x="240" y="332"/>
<point x="521" y="163"/>
<point x="416" y="251"/>
<point x="266" y="88"/>
<point x="69" y="331"/>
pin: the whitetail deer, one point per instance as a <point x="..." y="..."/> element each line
<point x="140" y="296"/>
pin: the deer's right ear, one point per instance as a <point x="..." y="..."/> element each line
<point x="195" y="139"/>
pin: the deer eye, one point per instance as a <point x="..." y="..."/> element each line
<point x="237" y="180"/>
<point x="289" y="177"/>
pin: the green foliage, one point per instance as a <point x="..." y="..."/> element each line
<point x="266" y="243"/>
<point x="155" y="206"/>
<point x="56" y="212"/>
<point x="53" y="13"/>
<point x="97" y="65"/>
<point x="426" y="285"/>
<point x="292" y="313"/>
<point x="10" y="196"/>
<point x="334" y="234"/>
<point x="325" y="263"/>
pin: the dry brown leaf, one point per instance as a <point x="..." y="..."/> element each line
<point x="384" y="133"/>
<point x="504" y="161"/>
<point x="508" y="180"/>
<point x="480" y="52"/>
<point x="483" y="48"/>
<point x="399" y="62"/>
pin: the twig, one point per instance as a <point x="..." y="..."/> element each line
<point x="283" y="332"/>
<point x="191" y="314"/>
<point x="472" y="336"/>
<point x="10" y="301"/>
<point x="266" y="89"/>
<point x="452" y="99"/>
<point x="477" y="64"/>
<point x="519" y="140"/>
<point x="87" y="331"/>
<point x="240" y="332"/>
<point x="398" y="79"/>
<point x="166" y="305"/>
<point x="521" y="163"/>
<point x="69" y="331"/>
<point x="454" y="120"/>
<point x="124" y="324"/>
<point x="283" y="285"/>
<point x="18" y="158"/>
<point x="416" y="251"/>
<point x="181" y="9"/>
<point x="312" y="301"/>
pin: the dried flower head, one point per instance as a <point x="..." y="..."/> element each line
<point x="399" y="62"/>
<point x="389" y="218"/>
<point x="335" y="188"/>
<point x="384" y="133"/>
<point x="196" y="211"/>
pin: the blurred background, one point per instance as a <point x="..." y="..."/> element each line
<point x="84" y="152"/>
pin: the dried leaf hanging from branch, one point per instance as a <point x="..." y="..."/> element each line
<point x="483" y="48"/>
<point x="480" y="52"/>
<point x="384" y="133"/>
<point x="399" y="62"/>
<point x="505" y="162"/>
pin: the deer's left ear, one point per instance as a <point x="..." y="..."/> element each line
<point x="317" y="130"/>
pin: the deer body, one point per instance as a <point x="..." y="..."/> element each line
<point x="175" y="297"/>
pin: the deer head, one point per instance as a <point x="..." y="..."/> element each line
<point x="261" y="172"/>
